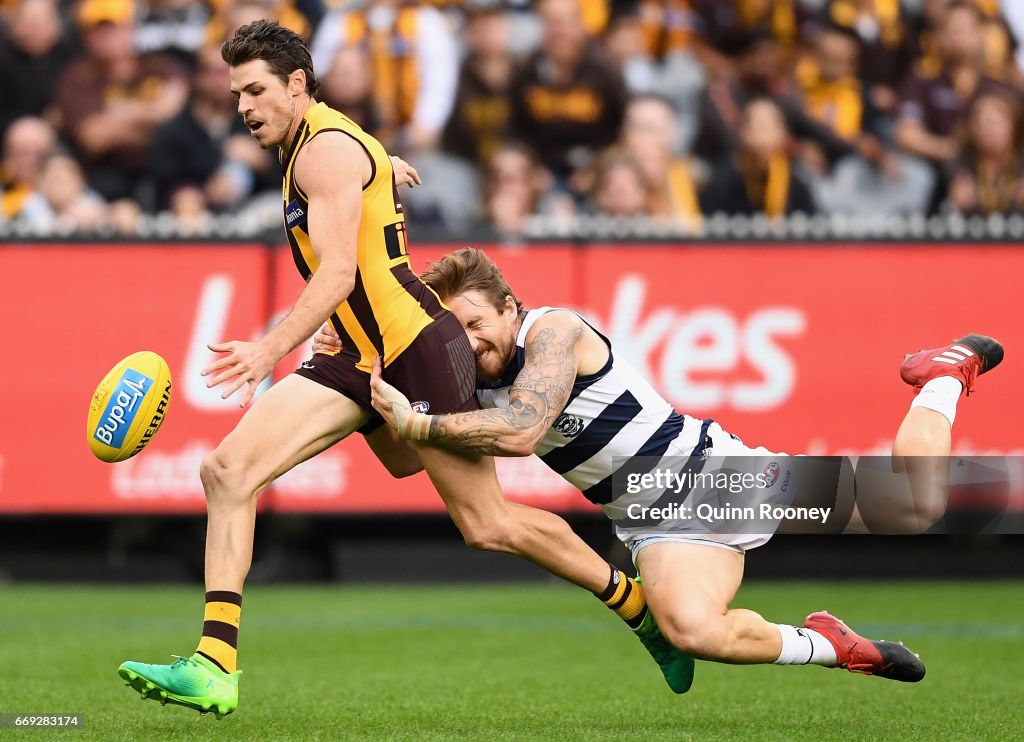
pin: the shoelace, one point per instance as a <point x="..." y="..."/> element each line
<point x="970" y="374"/>
<point x="181" y="660"/>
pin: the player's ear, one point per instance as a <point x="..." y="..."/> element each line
<point x="510" y="305"/>
<point x="297" y="82"/>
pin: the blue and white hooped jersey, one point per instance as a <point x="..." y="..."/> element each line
<point x="611" y="415"/>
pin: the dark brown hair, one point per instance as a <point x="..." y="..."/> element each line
<point x="968" y="147"/>
<point x="466" y="270"/>
<point x="282" y="49"/>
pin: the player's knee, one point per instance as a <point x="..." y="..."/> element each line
<point x="402" y="468"/>
<point x="694" y="633"/>
<point x="221" y="474"/>
<point x="486" y="536"/>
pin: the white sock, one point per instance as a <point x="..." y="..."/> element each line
<point x="804" y="647"/>
<point x="940" y="394"/>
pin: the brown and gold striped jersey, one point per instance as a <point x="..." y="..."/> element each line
<point x="389" y="305"/>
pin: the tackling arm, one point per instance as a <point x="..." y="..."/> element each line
<point x="536" y="398"/>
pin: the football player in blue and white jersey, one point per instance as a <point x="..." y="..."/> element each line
<point x="552" y="386"/>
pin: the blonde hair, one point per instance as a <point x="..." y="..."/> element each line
<point x="469" y="269"/>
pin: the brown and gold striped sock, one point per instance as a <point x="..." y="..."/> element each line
<point x="625" y="596"/>
<point x="220" y="629"/>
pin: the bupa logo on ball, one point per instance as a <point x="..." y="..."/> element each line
<point x="122" y="408"/>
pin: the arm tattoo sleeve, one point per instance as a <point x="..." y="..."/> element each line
<point x="537" y="397"/>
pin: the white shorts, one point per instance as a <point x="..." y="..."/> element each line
<point x="723" y="444"/>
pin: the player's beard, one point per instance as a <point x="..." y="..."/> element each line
<point x="491" y="364"/>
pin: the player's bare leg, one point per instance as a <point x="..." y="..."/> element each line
<point x="296" y="419"/>
<point x="915" y="500"/>
<point x="469" y="487"/>
<point x="689" y="588"/>
<point x="396" y="454"/>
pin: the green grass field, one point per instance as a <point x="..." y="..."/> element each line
<point x="508" y="662"/>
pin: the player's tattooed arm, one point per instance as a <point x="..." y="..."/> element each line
<point x="536" y="399"/>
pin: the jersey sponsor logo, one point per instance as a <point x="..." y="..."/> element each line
<point x="294" y="215"/>
<point x="420" y="406"/>
<point x="122" y="408"/>
<point x="771" y="474"/>
<point x="568" y="425"/>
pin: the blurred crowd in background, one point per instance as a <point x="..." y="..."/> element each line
<point x="112" y="111"/>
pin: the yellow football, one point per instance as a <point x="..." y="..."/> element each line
<point x="129" y="406"/>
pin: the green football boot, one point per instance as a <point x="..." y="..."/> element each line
<point x="193" y="681"/>
<point x="675" y="666"/>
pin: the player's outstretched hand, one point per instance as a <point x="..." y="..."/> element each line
<point x="244" y="364"/>
<point x="405" y="174"/>
<point x="394" y="407"/>
<point x="326" y="340"/>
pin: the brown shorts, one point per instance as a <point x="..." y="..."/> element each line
<point x="437" y="373"/>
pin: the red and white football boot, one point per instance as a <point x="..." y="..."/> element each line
<point x="966" y="360"/>
<point x="865" y="656"/>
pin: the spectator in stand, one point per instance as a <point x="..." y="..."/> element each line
<point x="926" y="31"/>
<point x="226" y="17"/>
<point x="208" y="147"/>
<point x="620" y="188"/>
<point x="27" y="142"/>
<point x="650" y="137"/>
<point x="998" y="40"/>
<point x="175" y="27"/>
<point x="347" y="85"/>
<point x="33" y="52"/>
<point x="232" y="16"/>
<point x="479" y="118"/>
<point x="760" y="177"/>
<point x="111" y="99"/>
<point x="627" y="44"/>
<point x="870" y="179"/>
<point x="989" y="177"/>
<point x="568" y="98"/>
<point x="722" y="22"/>
<point x="517" y="186"/>
<point x="667" y="62"/>
<point x="414" y="58"/>
<point x="1000" y="48"/>
<point x="667" y="25"/>
<point x="759" y="74"/>
<point x="64" y="203"/>
<point x="189" y="206"/>
<point x="828" y="83"/>
<point x="124" y="217"/>
<point x="886" y="49"/>
<point x="934" y="96"/>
